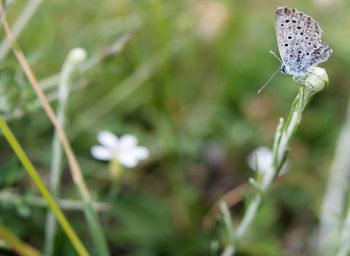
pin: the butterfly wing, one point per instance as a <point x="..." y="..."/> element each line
<point x="299" y="41"/>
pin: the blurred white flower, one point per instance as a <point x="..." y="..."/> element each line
<point x="261" y="160"/>
<point x="328" y="3"/>
<point x="212" y="17"/>
<point x="124" y="149"/>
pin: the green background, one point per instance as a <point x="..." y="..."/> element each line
<point x="186" y="85"/>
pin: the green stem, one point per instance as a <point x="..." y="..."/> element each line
<point x="314" y="82"/>
<point x="227" y="220"/>
<point x="344" y="246"/>
<point x="332" y="231"/>
<point x="21" y="22"/>
<point x="9" y="198"/>
<point x="115" y="173"/>
<point x="32" y="172"/>
<point x="97" y="234"/>
<point x="16" y="244"/>
<point x="229" y="250"/>
<point x="72" y="63"/>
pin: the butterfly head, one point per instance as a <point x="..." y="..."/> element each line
<point x="283" y="69"/>
<point x="295" y="72"/>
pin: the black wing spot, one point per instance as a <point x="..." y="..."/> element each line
<point x="287" y="21"/>
<point x="298" y="27"/>
<point x="289" y="37"/>
<point x="294" y="21"/>
<point x="285" y="45"/>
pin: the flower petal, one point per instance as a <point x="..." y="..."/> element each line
<point x="127" y="141"/>
<point x="108" y="139"/>
<point x="141" y="152"/>
<point x="261" y="159"/>
<point x="101" y="153"/>
<point x="127" y="160"/>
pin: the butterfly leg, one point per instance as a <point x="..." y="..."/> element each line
<point x="299" y="79"/>
<point x="303" y="80"/>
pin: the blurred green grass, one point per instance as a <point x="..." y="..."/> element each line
<point x="190" y="95"/>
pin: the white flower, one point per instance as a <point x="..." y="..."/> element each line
<point x="124" y="149"/>
<point x="261" y="160"/>
<point x="212" y="17"/>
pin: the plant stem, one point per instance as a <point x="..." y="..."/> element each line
<point x="335" y="197"/>
<point x="72" y="63"/>
<point x="94" y="224"/>
<point x="32" y="172"/>
<point x="344" y="247"/>
<point x="315" y="82"/>
<point x="16" y="244"/>
<point x="229" y="227"/>
<point x="10" y="198"/>
<point x="227" y="220"/>
<point x="113" y="49"/>
<point x="23" y="19"/>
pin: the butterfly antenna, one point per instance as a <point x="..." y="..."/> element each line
<point x="275" y="55"/>
<point x="268" y="81"/>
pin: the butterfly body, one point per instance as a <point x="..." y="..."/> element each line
<point x="299" y="42"/>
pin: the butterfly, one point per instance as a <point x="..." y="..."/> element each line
<point x="299" y="42"/>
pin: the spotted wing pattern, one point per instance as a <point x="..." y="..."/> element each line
<point x="299" y="41"/>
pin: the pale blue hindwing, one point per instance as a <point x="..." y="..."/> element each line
<point x="299" y="42"/>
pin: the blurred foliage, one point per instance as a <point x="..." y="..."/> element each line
<point x="186" y="85"/>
